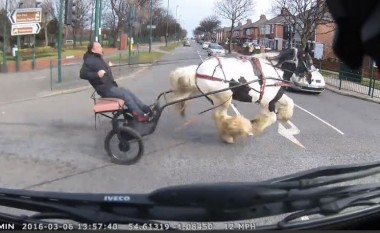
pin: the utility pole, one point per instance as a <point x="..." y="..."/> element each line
<point x="167" y="26"/>
<point x="5" y="67"/>
<point x="150" y="27"/>
<point x="60" y="29"/>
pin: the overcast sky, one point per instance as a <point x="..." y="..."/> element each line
<point x="193" y="11"/>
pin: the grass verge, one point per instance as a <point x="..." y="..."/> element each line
<point x="171" y="46"/>
<point x="141" y="58"/>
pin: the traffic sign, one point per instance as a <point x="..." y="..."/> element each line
<point x="25" y="15"/>
<point x="153" y="26"/>
<point x="25" y="29"/>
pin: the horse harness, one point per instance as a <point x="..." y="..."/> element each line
<point x="257" y="70"/>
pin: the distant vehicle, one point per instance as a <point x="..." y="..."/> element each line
<point x="186" y="43"/>
<point x="215" y="50"/>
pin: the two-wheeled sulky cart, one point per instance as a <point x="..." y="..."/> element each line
<point x="129" y="132"/>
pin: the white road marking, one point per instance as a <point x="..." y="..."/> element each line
<point x="325" y="122"/>
<point x="235" y="109"/>
<point x="199" y="54"/>
<point x="289" y="133"/>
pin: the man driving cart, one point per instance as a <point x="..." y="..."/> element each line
<point x="99" y="75"/>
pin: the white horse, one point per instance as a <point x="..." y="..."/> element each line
<point x="218" y="73"/>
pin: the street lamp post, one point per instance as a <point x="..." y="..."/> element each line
<point x="175" y="25"/>
<point x="97" y="16"/>
<point x="179" y="32"/>
<point x="100" y="22"/>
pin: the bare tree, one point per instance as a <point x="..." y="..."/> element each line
<point x="305" y="16"/>
<point x="234" y="10"/>
<point x="83" y="16"/>
<point x="209" y="25"/>
<point x="47" y="15"/>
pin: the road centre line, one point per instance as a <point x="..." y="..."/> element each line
<point x="325" y="122"/>
<point x="199" y="54"/>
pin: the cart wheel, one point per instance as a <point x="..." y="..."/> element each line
<point x="127" y="146"/>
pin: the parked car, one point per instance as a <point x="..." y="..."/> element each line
<point x="205" y="45"/>
<point x="215" y="50"/>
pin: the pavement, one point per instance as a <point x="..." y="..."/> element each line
<point x="51" y="144"/>
<point x="352" y="94"/>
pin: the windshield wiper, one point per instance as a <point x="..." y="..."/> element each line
<point x="305" y="192"/>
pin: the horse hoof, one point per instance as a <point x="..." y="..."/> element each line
<point x="228" y="140"/>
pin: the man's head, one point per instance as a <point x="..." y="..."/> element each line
<point x="95" y="47"/>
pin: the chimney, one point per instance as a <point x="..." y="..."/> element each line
<point x="263" y="17"/>
<point x="249" y="21"/>
<point x="284" y="11"/>
<point x="239" y="24"/>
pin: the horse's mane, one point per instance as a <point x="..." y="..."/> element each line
<point x="290" y="54"/>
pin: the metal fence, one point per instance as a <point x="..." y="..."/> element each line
<point x="365" y="80"/>
<point x="68" y="76"/>
<point x="342" y="81"/>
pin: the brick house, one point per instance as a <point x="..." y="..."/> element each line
<point x="236" y="32"/>
<point x="274" y="32"/>
<point x="252" y="30"/>
<point x="222" y="34"/>
<point x="325" y="35"/>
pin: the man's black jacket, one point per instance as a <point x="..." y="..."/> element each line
<point x="92" y="63"/>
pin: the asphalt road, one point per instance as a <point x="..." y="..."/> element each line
<point x="51" y="143"/>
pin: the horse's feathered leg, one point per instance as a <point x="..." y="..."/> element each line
<point x="265" y="120"/>
<point x="220" y="115"/>
<point x="230" y="127"/>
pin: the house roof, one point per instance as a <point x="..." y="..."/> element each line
<point x="259" y="22"/>
<point x="280" y="19"/>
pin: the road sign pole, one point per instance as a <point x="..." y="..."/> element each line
<point x="60" y="29"/>
<point x="5" y="67"/>
<point x="18" y="54"/>
<point x="34" y="52"/>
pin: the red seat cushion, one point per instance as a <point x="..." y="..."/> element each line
<point x="108" y="104"/>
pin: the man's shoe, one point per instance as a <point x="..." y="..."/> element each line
<point x="141" y="118"/>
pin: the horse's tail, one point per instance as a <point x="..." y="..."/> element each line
<point x="183" y="84"/>
<point x="286" y="108"/>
